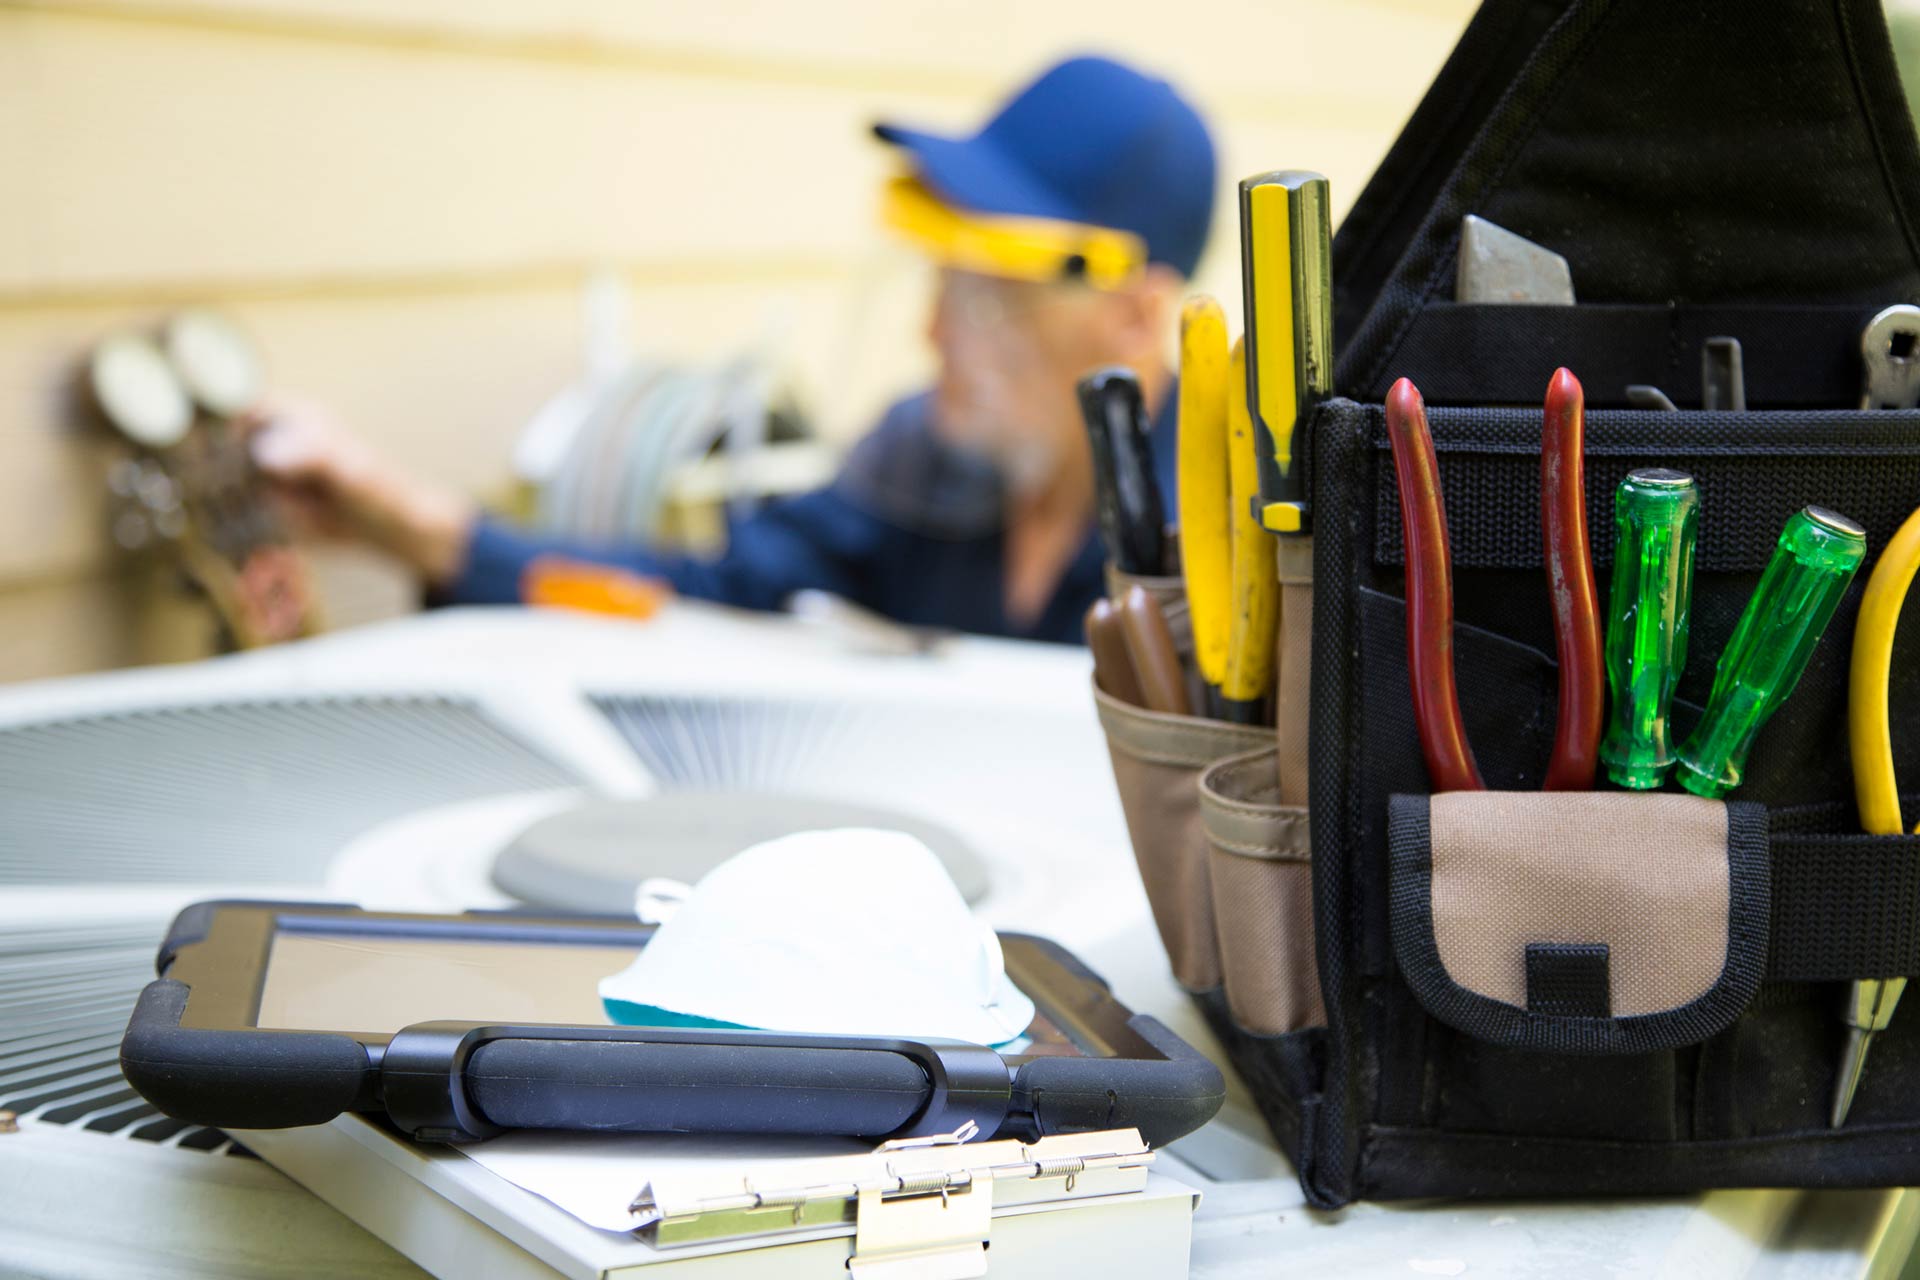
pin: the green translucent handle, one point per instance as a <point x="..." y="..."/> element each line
<point x="1818" y="554"/>
<point x="1654" y="514"/>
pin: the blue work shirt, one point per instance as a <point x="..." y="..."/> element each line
<point x="911" y="528"/>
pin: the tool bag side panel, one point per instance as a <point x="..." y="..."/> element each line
<point x="1342" y="459"/>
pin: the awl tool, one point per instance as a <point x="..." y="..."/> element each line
<point x="1816" y="557"/>
<point x="1870" y="1003"/>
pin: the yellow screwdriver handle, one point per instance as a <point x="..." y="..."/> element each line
<point x="1287" y="279"/>
<point x="1256" y="581"/>
<point x="1206" y="555"/>
<point x="1875" y="788"/>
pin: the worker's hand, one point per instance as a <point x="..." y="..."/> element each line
<point x="336" y="486"/>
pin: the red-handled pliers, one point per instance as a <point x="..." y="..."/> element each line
<point x="1569" y="563"/>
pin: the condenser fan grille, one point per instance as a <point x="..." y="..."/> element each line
<point x="254" y="792"/>
<point x="937" y="763"/>
<point x="716" y="744"/>
<point x="65" y="994"/>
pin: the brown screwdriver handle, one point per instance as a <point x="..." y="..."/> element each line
<point x="1112" y="667"/>
<point x="1155" y="661"/>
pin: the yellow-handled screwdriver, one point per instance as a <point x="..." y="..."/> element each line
<point x="1870" y="1002"/>
<point x="1287" y="277"/>
<point x="1206" y="552"/>
<point x="1255" y="603"/>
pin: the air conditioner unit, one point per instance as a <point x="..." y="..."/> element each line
<point x="391" y="766"/>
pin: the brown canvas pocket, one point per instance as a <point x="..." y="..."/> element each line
<point x="1260" y="866"/>
<point x="1580" y="922"/>
<point x="1157" y="761"/>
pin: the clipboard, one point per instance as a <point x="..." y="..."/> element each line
<point x="460" y="1216"/>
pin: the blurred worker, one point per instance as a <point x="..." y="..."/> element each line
<point x="1064" y="232"/>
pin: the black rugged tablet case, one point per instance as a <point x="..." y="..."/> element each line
<point x="458" y="1081"/>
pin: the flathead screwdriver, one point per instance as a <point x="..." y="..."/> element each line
<point x="1815" y="559"/>
<point x="1655" y="511"/>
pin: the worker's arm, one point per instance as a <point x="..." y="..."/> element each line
<point x="815" y="541"/>
<point x="830" y="540"/>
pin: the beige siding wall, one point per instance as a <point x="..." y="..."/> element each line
<point x="402" y="199"/>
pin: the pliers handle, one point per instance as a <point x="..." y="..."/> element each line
<point x="1569" y="564"/>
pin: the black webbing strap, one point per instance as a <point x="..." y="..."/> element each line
<point x="1752" y="470"/>
<point x="1845" y="907"/>
<point x="1794" y="357"/>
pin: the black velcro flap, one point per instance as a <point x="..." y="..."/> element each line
<point x="1569" y="979"/>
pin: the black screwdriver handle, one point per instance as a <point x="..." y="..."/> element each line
<point x="1127" y="496"/>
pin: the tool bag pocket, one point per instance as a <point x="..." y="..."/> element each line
<point x="1157" y="763"/>
<point x="1579" y="922"/>
<point x="1261" y="868"/>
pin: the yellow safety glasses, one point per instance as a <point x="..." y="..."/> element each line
<point x="1041" y="250"/>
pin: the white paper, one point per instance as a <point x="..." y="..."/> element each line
<point x="595" y="1176"/>
<point x="851" y="932"/>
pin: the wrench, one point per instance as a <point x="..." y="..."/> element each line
<point x="1890" y="349"/>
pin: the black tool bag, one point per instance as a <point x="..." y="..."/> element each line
<point x="1747" y="170"/>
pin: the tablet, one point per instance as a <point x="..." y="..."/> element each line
<point x="455" y="1028"/>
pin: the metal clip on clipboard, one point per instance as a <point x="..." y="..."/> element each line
<point x="922" y="1208"/>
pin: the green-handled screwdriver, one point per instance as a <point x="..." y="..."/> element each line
<point x="1654" y="514"/>
<point x="1816" y="557"/>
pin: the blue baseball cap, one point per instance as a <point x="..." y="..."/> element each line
<point x="1091" y="141"/>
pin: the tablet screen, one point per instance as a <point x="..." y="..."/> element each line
<point x="377" y="985"/>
